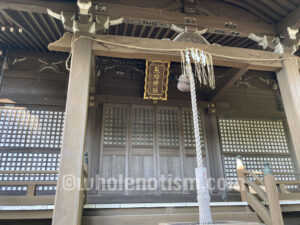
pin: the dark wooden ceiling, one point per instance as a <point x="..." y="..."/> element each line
<point x="39" y="29"/>
<point x="271" y="11"/>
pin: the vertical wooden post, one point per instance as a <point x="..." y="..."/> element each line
<point x="30" y="190"/>
<point x="289" y="84"/>
<point x="213" y="148"/>
<point x="69" y="197"/>
<point x="272" y="196"/>
<point x="92" y="145"/>
<point x="240" y="168"/>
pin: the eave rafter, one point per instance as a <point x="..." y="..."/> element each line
<point x="150" y="16"/>
<point x="292" y="20"/>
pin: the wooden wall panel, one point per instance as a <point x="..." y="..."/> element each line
<point x="142" y="166"/>
<point x="34" y="79"/>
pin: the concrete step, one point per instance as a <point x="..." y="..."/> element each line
<point x="155" y="219"/>
<point x="154" y="216"/>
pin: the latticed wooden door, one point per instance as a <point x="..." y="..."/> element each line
<point x="147" y="142"/>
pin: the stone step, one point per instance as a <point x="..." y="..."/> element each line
<point x="155" y="219"/>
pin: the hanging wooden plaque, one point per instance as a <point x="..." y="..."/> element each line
<point x="156" y="80"/>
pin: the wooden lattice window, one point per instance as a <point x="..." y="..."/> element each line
<point x="115" y="122"/>
<point x="188" y="129"/>
<point x="30" y="140"/>
<point x="257" y="136"/>
<point x="257" y="141"/>
<point x="168" y="127"/>
<point x="27" y="128"/>
<point x="253" y="163"/>
<point x="142" y="126"/>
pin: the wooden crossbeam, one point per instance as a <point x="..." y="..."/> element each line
<point x="231" y="57"/>
<point x="230" y="83"/>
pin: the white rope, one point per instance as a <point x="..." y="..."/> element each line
<point x="280" y="58"/>
<point x="203" y="196"/>
<point x="194" y="109"/>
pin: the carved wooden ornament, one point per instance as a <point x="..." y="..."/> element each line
<point x="156" y="80"/>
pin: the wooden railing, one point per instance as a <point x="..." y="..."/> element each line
<point x="30" y="197"/>
<point x="31" y="184"/>
<point x="263" y="192"/>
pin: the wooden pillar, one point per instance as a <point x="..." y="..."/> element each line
<point x="289" y="84"/>
<point x="213" y="149"/>
<point x="69" y="197"/>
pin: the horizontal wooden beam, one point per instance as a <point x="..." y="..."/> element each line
<point x="141" y="49"/>
<point x="230" y="82"/>
<point x="25" y="214"/>
<point x="170" y="102"/>
<point x="30" y="100"/>
<point x="26" y="200"/>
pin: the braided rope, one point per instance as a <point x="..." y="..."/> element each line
<point x="195" y="116"/>
<point x="203" y="196"/>
<point x="280" y="57"/>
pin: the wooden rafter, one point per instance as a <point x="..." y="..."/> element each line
<point x="13" y="21"/>
<point x="154" y="17"/>
<point x="250" y="8"/>
<point x="142" y="31"/>
<point x="291" y="20"/>
<point x="133" y="30"/>
<point x="46" y="35"/>
<point x="44" y="23"/>
<point x="275" y="7"/>
<point x="285" y="4"/>
<point x="37" y="6"/>
<point x="231" y="57"/>
<point x="265" y="10"/>
<point x="55" y="26"/>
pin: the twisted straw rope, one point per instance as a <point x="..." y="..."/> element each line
<point x="195" y="116"/>
<point x="178" y="50"/>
